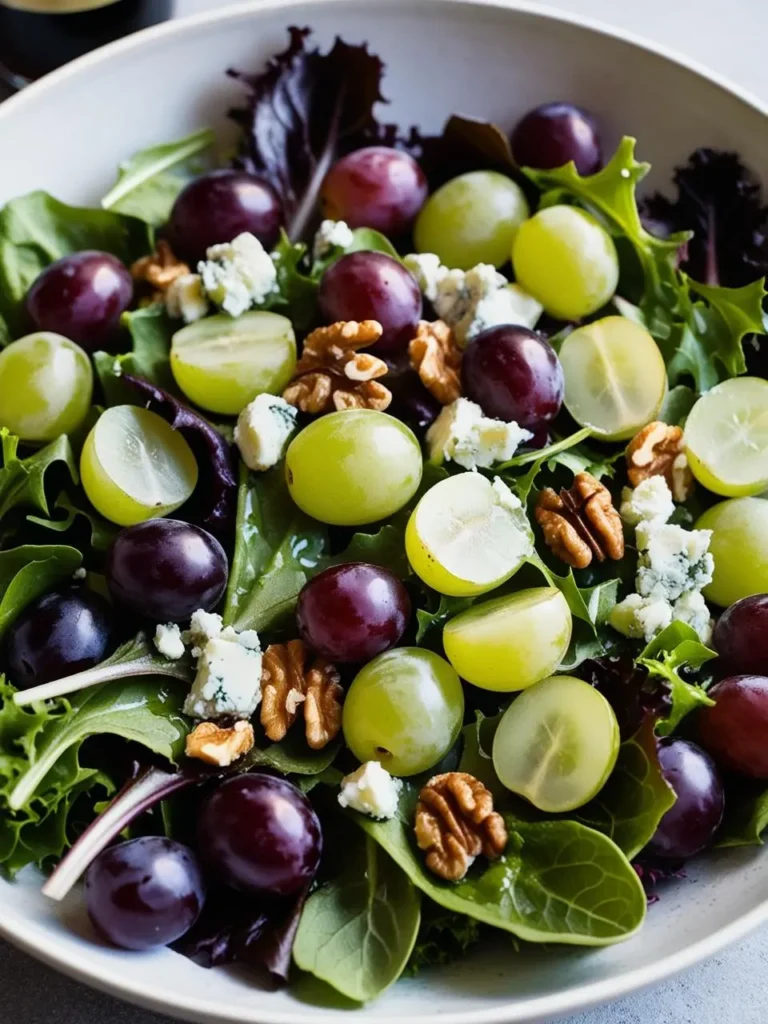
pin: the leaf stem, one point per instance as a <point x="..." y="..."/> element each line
<point x="106" y="673"/>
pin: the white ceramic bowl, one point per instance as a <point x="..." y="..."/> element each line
<point x="68" y="133"/>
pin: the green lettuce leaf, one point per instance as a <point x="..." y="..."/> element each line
<point x="151" y="331"/>
<point x="293" y="756"/>
<point x="745" y="821"/>
<point x="444" y="937"/>
<point x="29" y="571"/>
<point x="22" y="481"/>
<point x="676" y="647"/>
<point x="385" y="547"/>
<point x="149" y="182"/>
<point x="446" y="608"/>
<point x="570" y="452"/>
<point x="73" y="515"/>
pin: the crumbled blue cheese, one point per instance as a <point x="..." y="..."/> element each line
<point x="641" y="618"/>
<point x="472" y="301"/>
<point x="462" y="434"/>
<point x="504" y="496"/>
<point x="238" y="274"/>
<point x="332" y="234"/>
<point x="228" y="679"/>
<point x="650" y="501"/>
<point x="168" y="641"/>
<point x="185" y="299"/>
<point x="263" y="430"/>
<point x="672" y="560"/>
<point x="692" y="609"/>
<point x="371" y="790"/>
<point x="203" y="626"/>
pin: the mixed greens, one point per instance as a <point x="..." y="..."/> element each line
<point x="381" y="533"/>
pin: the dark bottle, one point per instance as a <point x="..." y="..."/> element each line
<point x="37" y="36"/>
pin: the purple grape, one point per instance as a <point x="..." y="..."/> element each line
<point x="81" y="296"/>
<point x="741" y="636"/>
<point x="513" y="374"/>
<point x="411" y="402"/>
<point x="735" y="730"/>
<point x="259" y="833"/>
<point x="376" y="187"/>
<point x="352" y="612"/>
<point x="217" y="207"/>
<point x="555" y="133"/>
<point x="691" y="822"/>
<point x="144" y="893"/>
<point x="373" y="286"/>
<point x="164" y="570"/>
<point x="62" y="633"/>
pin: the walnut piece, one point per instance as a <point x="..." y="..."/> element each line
<point x="657" y="450"/>
<point x="288" y="685"/>
<point x="456" y="822"/>
<point x="436" y="357"/>
<point x="159" y="270"/>
<point x="581" y="523"/>
<point x="333" y="374"/>
<point x="214" y="745"/>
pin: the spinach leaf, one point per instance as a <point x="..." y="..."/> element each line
<point x="357" y="932"/>
<point x="369" y="240"/>
<point x="386" y="548"/>
<point x="277" y="549"/>
<point x="677" y="404"/>
<point x="36" y="230"/>
<point x="151" y="331"/>
<point x="149" y="181"/>
<point x="558" y="881"/>
<point x="28" y="572"/>
<point x="677" y="647"/>
<point x="292" y="756"/>
<point x="100" y="532"/>
<point x="745" y="821"/>
<point x="22" y="481"/>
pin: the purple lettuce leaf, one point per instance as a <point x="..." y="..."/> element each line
<point x="215" y="498"/>
<point x="629" y="689"/>
<point x="465" y="144"/>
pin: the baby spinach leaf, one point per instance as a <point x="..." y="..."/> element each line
<point x="149" y="181"/>
<point x="369" y="240"/>
<point x="357" y="932"/>
<point x="36" y="230"/>
<point x="745" y="821"/>
<point x="22" y="481"/>
<point x="677" y="404"/>
<point x="277" y="549"/>
<point x="28" y="572"/>
<point x="386" y="548"/>
<point x="678" y="646"/>
<point x="292" y="756"/>
<point x="151" y="331"/>
<point x="100" y="532"/>
<point x="635" y="798"/>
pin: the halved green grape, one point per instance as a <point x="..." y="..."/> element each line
<point x="557" y="744"/>
<point x="404" y="709"/>
<point x="726" y="437"/>
<point x="615" y="377"/>
<point x="222" y="363"/>
<point x="46" y="386"/>
<point x="472" y="219"/>
<point x="353" y="467"/>
<point x="134" y="466"/>
<point x="739" y="547"/>
<point x="467" y="535"/>
<point x="567" y="261"/>
<point x="510" y="643"/>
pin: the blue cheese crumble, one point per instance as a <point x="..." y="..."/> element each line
<point x="371" y="790"/>
<point x="238" y="274"/>
<point x="672" y="560"/>
<point x="263" y="430"/>
<point x="462" y="434"/>
<point x="185" y="299"/>
<point x="332" y="234"/>
<point x="168" y="641"/>
<point x="650" y="501"/>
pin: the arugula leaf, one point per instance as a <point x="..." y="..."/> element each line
<point x="635" y="798"/>
<point x="734" y="313"/>
<point x="149" y="181"/>
<point x="570" y="452"/>
<point x="277" y="549"/>
<point x="386" y="548"/>
<point x="36" y="230"/>
<point x="678" y="646"/>
<point x="357" y="932"/>
<point x="443" y="938"/>
<point x="22" y="481"/>
<point x="29" y="571"/>
<point x="100" y="532"/>
<point x="446" y="609"/>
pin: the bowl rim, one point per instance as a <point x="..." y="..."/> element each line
<point x="30" y="936"/>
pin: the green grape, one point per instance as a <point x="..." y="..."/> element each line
<point x="222" y="363"/>
<point x="510" y="643"/>
<point x="462" y="539"/>
<point x="46" y="386"/>
<point x="739" y="547"/>
<point x="404" y="709"/>
<point x="615" y="377"/>
<point x="472" y="219"/>
<point x="557" y="744"/>
<point x="353" y="467"/>
<point x="134" y="466"/>
<point x="726" y="437"/>
<point x="567" y="261"/>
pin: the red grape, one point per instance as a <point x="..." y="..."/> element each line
<point x="376" y="187"/>
<point x="352" y="612"/>
<point x="411" y="402"/>
<point x="144" y="893"/>
<point x="373" y="286"/>
<point x="691" y="822"/>
<point x="741" y="636"/>
<point x="735" y="730"/>
<point x="513" y="374"/>
<point x="555" y="133"/>
<point x="260" y="833"/>
<point x="81" y="296"/>
<point x="220" y="205"/>
<point x="164" y="570"/>
<point x="57" y="635"/>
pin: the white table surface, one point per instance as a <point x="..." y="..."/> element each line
<point x="730" y="36"/>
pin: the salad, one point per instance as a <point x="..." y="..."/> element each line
<point x="383" y="561"/>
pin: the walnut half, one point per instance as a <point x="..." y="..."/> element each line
<point x="159" y="270"/>
<point x="581" y="523"/>
<point x="436" y="357"/>
<point x="658" y="450"/>
<point x="210" y="743"/>
<point x="455" y="823"/>
<point x="288" y="686"/>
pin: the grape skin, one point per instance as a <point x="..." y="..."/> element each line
<point x="735" y="730"/>
<point x="375" y="187"/>
<point x="741" y="636"/>
<point x="690" y="824"/>
<point x="554" y="134"/>
<point x="739" y="547"/>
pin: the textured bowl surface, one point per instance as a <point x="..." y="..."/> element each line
<point x="67" y="135"/>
